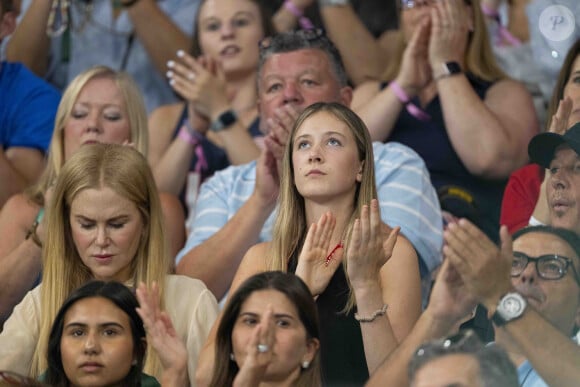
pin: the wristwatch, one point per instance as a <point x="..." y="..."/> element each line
<point x="448" y="69"/>
<point x="510" y="307"/>
<point x="324" y="3"/>
<point x="224" y="120"/>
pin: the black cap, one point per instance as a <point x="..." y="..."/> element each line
<point x="543" y="146"/>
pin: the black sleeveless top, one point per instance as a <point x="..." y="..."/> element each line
<point x="460" y="192"/>
<point x="341" y="346"/>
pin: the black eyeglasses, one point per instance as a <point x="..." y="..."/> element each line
<point x="308" y="34"/>
<point x="548" y="267"/>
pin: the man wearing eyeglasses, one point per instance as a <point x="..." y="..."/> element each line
<point x="531" y="289"/>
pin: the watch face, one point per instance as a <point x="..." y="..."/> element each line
<point x="512" y="306"/>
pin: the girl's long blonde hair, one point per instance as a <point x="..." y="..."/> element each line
<point x="290" y="227"/>
<point x="96" y="166"/>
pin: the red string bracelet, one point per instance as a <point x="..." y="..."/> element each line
<point x="329" y="256"/>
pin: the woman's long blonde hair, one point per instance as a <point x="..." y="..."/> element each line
<point x="96" y="166"/>
<point x="136" y="113"/>
<point x="290" y="227"/>
<point x="479" y="58"/>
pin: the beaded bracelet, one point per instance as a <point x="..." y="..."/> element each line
<point x="377" y="313"/>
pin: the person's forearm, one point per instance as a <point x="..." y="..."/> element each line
<point x="216" y="260"/>
<point x="13" y="182"/>
<point x="161" y="42"/>
<point x="171" y="170"/>
<point x="363" y="56"/>
<point x="29" y="43"/>
<point x="554" y="356"/>
<point x="379" y="113"/>
<point x="393" y="371"/>
<point x="19" y="270"/>
<point x="488" y="146"/>
<point x="378" y="337"/>
<point x="238" y="144"/>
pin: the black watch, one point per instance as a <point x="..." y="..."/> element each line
<point x="224" y="120"/>
<point x="448" y="69"/>
<point x="510" y="307"/>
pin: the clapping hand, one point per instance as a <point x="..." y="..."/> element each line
<point x="318" y="260"/>
<point x="370" y="247"/>
<point x="259" y="352"/>
<point x="161" y="334"/>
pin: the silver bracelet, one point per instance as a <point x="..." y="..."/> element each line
<point x="332" y="3"/>
<point x="377" y="313"/>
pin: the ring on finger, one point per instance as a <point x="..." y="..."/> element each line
<point x="262" y="348"/>
<point x="190" y="76"/>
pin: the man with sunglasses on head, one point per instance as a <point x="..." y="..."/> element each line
<point x="235" y="207"/>
<point x="531" y="289"/>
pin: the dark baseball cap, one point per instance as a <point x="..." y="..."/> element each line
<point x="543" y="146"/>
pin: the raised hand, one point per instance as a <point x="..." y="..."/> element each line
<point x="259" y="352"/>
<point x="201" y="82"/>
<point x="449" y="300"/>
<point x="560" y="120"/>
<point x="415" y="70"/>
<point x="450" y="24"/>
<point x="318" y="260"/>
<point x="278" y="128"/>
<point x="370" y="247"/>
<point x="484" y="268"/>
<point x="267" y="177"/>
<point x="161" y="334"/>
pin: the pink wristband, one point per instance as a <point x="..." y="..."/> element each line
<point x="187" y="137"/>
<point x="413" y="109"/>
<point x="304" y="22"/>
<point x="399" y="92"/>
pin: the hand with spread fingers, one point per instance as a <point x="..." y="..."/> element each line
<point x="449" y="32"/>
<point x="370" y="247"/>
<point x="161" y="335"/>
<point x="201" y="82"/>
<point x="319" y="260"/>
<point x="484" y="268"/>
<point x="259" y="352"/>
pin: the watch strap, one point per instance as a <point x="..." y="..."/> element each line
<point x="448" y="69"/>
<point x="324" y="3"/>
<point x="223" y="121"/>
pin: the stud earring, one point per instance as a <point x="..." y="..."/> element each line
<point x="232" y="358"/>
<point x="305" y="364"/>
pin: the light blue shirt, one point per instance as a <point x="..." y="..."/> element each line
<point x="97" y="38"/>
<point x="528" y="377"/>
<point x="407" y="199"/>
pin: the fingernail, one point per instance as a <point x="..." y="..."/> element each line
<point x="169" y="74"/>
<point x="180" y="53"/>
<point x="170" y="64"/>
<point x="172" y="82"/>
